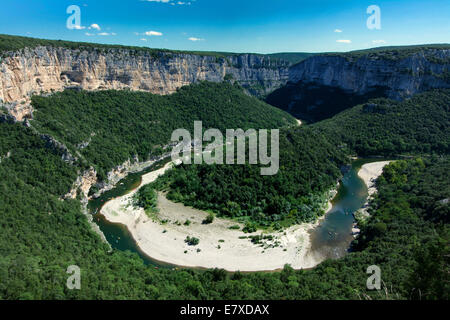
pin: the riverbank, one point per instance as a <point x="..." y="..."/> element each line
<point x="369" y="173"/>
<point x="162" y="237"/>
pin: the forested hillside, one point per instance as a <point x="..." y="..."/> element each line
<point x="109" y="127"/>
<point x="309" y="168"/>
<point x="42" y="235"/>
<point x="310" y="158"/>
<point x="325" y="84"/>
<point x="386" y="127"/>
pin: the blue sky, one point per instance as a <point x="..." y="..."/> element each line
<point x="263" y="26"/>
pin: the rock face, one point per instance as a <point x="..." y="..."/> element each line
<point x="87" y="179"/>
<point x="83" y="184"/>
<point x="43" y="70"/>
<point x="48" y="69"/>
<point x="324" y="85"/>
<point x="418" y="72"/>
<point x="59" y="147"/>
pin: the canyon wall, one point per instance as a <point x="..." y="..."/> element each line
<point x="390" y="73"/>
<point x="324" y="85"/>
<point x="401" y="76"/>
<point x="43" y="70"/>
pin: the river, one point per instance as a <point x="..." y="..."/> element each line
<point x="331" y="239"/>
<point x="333" y="236"/>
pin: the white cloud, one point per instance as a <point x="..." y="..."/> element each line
<point x="195" y="39"/>
<point x="143" y="39"/>
<point x="106" y="34"/>
<point x="95" y="26"/>
<point x="153" y="33"/>
<point x="77" y="27"/>
<point x="344" y="41"/>
<point x="89" y="34"/>
<point x="378" y="41"/>
<point x="338" y="30"/>
<point x="171" y="2"/>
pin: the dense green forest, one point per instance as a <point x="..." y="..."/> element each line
<point x="386" y="127"/>
<point x="309" y="168"/>
<point x="407" y="234"/>
<point x="146" y="198"/>
<point x="42" y="235"/>
<point x="411" y="209"/>
<point x="106" y="128"/>
<point x="310" y="158"/>
<point x="314" y="102"/>
<point x="22" y="152"/>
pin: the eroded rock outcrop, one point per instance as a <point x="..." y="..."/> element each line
<point x="53" y="144"/>
<point x="324" y="85"/>
<point x="402" y="77"/>
<point x="83" y="184"/>
<point x="44" y="70"/>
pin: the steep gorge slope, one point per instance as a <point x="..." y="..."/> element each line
<point x="310" y="159"/>
<point x="110" y="130"/>
<point x="317" y="87"/>
<point x="42" y="235"/>
<point x="323" y="85"/>
<point x="53" y="67"/>
<point x="387" y="127"/>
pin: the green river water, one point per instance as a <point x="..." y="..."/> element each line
<point x="331" y="239"/>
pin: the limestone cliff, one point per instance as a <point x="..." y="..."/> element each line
<point x="402" y="77"/>
<point x="83" y="184"/>
<point x="392" y="73"/>
<point x="323" y="85"/>
<point x="43" y="70"/>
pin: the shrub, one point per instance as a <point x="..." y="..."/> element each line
<point x="209" y="219"/>
<point x="192" y="241"/>
<point x="249" y="227"/>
